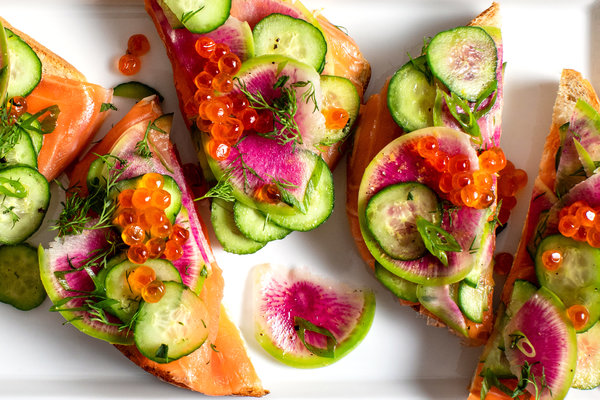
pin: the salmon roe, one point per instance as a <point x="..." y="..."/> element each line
<point x="145" y="226"/>
<point x="173" y="250"/>
<point x="335" y="118"/>
<point x="268" y="193"/>
<point x="138" y="45"/>
<point x="205" y="47"/>
<point x="552" y="259"/>
<point x="153" y="292"/>
<point x="140" y="277"/>
<point x="510" y="182"/>
<point x="129" y="64"/>
<point x="579" y="315"/>
<point x="502" y="263"/>
<point x="580" y="222"/>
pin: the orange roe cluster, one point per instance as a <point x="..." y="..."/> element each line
<point x="146" y="229"/>
<point x="580" y="222"/>
<point x="455" y="178"/>
<point x="142" y="282"/>
<point x="130" y="62"/>
<point x="510" y="181"/>
<point x="218" y="111"/>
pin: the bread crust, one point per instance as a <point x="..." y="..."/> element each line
<point x="489" y="17"/>
<point x="52" y="64"/>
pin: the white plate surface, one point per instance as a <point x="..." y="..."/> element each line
<point x="400" y="357"/>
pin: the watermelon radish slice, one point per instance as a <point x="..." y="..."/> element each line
<point x="398" y="163"/>
<point x="253" y="11"/>
<point x="540" y="336"/>
<point x="289" y="304"/>
<point x="439" y="301"/>
<point x="59" y="263"/>
<point x="584" y="127"/>
<point x="587" y="373"/>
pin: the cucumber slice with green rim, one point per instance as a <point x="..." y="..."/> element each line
<point x="411" y="95"/>
<point x="587" y="372"/>
<point x="34" y="130"/>
<point x="117" y="287"/>
<point x="339" y="92"/>
<point x="473" y="302"/>
<point x="170" y="185"/>
<point x="199" y="16"/>
<point x="4" y="65"/>
<point x="577" y="280"/>
<point x="522" y="291"/>
<point x="493" y="357"/>
<point x="22" y="153"/>
<point x="464" y="59"/>
<point x="24" y="207"/>
<point x="135" y="90"/>
<point x="173" y="327"/>
<point x="255" y="225"/>
<point x="292" y="37"/>
<point x="406" y="290"/>
<point x="391" y="218"/>
<point x="319" y="199"/>
<point x="20" y="283"/>
<point x="25" y="66"/>
<point x="227" y="232"/>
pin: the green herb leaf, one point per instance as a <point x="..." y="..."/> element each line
<point x="185" y="17"/>
<point x="302" y="326"/>
<point x="142" y="148"/>
<point x="162" y="352"/>
<point x="222" y="190"/>
<point x="437" y="240"/>
<point x="107" y="106"/>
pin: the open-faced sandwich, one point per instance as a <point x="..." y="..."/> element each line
<point x="422" y="175"/>
<point x="48" y="114"/>
<point x="546" y="338"/>
<point x="132" y="264"/>
<point x="270" y="92"/>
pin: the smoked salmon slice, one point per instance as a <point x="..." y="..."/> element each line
<point x="80" y="117"/>
<point x="221" y="366"/>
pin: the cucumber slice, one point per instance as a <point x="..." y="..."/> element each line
<point x="20" y="283"/>
<point x="199" y="16"/>
<point x="391" y="218"/>
<point x="411" y="95"/>
<point x="292" y="37"/>
<point x="339" y="92"/>
<point x="135" y="90"/>
<point x="493" y="357"/>
<point x="21" y="216"/>
<point x="170" y="186"/>
<point x="117" y="287"/>
<point x="255" y="225"/>
<point x="227" y="232"/>
<point x="406" y="290"/>
<point x="22" y="153"/>
<point x="319" y="199"/>
<point x="173" y="327"/>
<point x="465" y="60"/>
<point x="587" y="372"/>
<point x="4" y="65"/>
<point x="473" y="302"/>
<point x="25" y="66"/>
<point x="34" y="130"/>
<point x="577" y="280"/>
<point x="522" y="291"/>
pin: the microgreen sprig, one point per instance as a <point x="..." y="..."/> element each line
<point x="302" y="326"/>
<point x="437" y="240"/>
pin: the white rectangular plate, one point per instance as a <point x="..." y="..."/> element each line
<point x="401" y="357"/>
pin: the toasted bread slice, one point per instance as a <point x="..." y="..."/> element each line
<point x="376" y="128"/>
<point x="79" y="101"/>
<point x="572" y="87"/>
<point x="52" y="64"/>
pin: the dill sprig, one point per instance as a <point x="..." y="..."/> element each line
<point x="76" y="216"/>
<point x="186" y="16"/>
<point x="222" y="190"/>
<point x="284" y="110"/>
<point x="490" y="379"/>
<point x="142" y="148"/>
